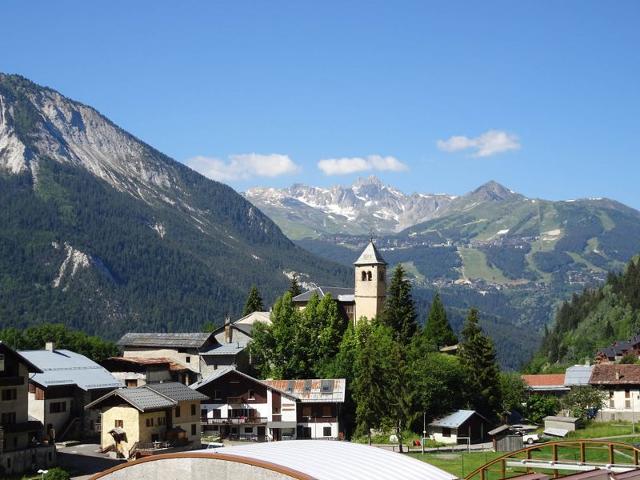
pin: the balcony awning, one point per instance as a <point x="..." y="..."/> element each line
<point x="282" y="424"/>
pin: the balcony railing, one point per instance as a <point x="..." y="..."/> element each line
<point x="234" y="421"/>
<point x="305" y="419"/>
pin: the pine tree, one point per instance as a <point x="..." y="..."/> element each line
<point x="399" y="311"/>
<point x="437" y="328"/>
<point x="294" y="288"/>
<point x="254" y="302"/>
<point x="478" y="357"/>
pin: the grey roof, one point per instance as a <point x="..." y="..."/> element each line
<point x="64" y="367"/>
<point x="220" y="372"/>
<point x="578" y="375"/>
<point x="341" y="294"/>
<point x="455" y="419"/>
<point x="313" y="390"/>
<point x="556" y="418"/>
<point x="152" y="396"/>
<point x="370" y="256"/>
<point x="225" y="349"/>
<point x="167" y="340"/>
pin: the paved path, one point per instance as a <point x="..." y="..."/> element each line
<point x="84" y="460"/>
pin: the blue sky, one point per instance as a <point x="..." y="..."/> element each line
<point x="542" y="96"/>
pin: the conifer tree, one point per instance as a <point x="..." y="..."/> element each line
<point x="294" y="288"/>
<point x="254" y="302"/>
<point x="478" y="357"/>
<point x="437" y="328"/>
<point x="399" y="311"/>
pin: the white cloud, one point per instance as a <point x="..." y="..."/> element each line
<point x="489" y="143"/>
<point x="243" y="166"/>
<point x="347" y="165"/>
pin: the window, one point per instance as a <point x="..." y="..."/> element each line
<point x="119" y="424"/>
<point x="177" y="412"/>
<point x="162" y="421"/>
<point x="193" y="409"/>
<point x="326" y="431"/>
<point x="57" y="407"/>
<point x="251" y="395"/>
<point x="326" y="410"/>
<point x="364" y="276"/>
<point x="627" y="393"/>
<point x="132" y="383"/>
<point x="306" y="411"/>
<point x="193" y="429"/>
<point x="248" y="429"/>
<point x="149" y="422"/>
<point x="612" y="403"/>
<point x="187" y="359"/>
<point x="627" y="404"/>
<point x="9" y="394"/>
<point x="8" y="418"/>
<point x="1" y="362"/>
<point x="446" y="432"/>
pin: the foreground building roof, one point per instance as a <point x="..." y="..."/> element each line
<point x="300" y="459"/>
<point x="455" y="419"/>
<point x="64" y="367"/>
<point x="164" y="340"/>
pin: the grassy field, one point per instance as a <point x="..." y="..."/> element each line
<point x="458" y="464"/>
<point x="475" y="266"/>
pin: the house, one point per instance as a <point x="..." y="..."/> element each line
<point x="231" y="342"/>
<point x="619" y="349"/>
<point x="367" y="297"/>
<point x="135" y="372"/>
<point x="463" y="425"/>
<point x="181" y="348"/>
<point x="622" y="384"/>
<point x="153" y="418"/>
<point x="548" y="383"/>
<point x="57" y="396"/>
<point x="244" y="408"/>
<point x="21" y="445"/>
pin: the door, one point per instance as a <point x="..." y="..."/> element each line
<point x="277" y="435"/>
<point x="261" y="434"/>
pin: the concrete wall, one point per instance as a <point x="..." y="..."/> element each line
<point x="194" y="469"/>
<point x="21" y="461"/>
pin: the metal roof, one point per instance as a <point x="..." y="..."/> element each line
<point x="330" y="390"/>
<point x="341" y="294"/>
<point x="455" y="419"/>
<point x="370" y="256"/>
<point x="152" y="396"/>
<point x="64" y="367"/>
<point x="578" y="375"/>
<point x="167" y="340"/>
<point x="225" y="349"/>
<point x="330" y="460"/>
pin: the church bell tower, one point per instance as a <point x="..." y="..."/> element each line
<point x="370" y="283"/>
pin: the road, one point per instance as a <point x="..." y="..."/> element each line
<point x="84" y="460"/>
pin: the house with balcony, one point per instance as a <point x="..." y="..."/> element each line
<point x="621" y="382"/>
<point x="21" y="441"/>
<point x="58" y="394"/>
<point x="151" y="419"/>
<point x="241" y="407"/>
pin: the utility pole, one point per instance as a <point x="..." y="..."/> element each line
<point x="424" y="430"/>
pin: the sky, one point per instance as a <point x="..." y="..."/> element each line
<point x="430" y="96"/>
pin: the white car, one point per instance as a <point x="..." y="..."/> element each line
<point x="530" y="438"/>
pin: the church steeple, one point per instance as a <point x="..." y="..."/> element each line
<point x="370" y="283"/>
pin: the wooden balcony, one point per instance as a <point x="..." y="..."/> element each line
<point x="234" y="421"/>
<point x="236" y="400"/>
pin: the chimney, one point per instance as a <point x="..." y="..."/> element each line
<point x="228" y="334"/>
<point x="49" y="346"/>
<point x="617" y="374"/>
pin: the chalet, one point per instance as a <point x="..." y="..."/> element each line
<point x="622" y="384"/>
<point x="57" y="396"/>
<point x="548" y="383"/>
<point x="619" y="349"/>
<point x="461" y="426"/>
<point x="21" y="445"/>
<point x="153" y="418"/>
<point x="367" y="297"/>
<point x="244" y="408"/>
<point x="135" y="372"/>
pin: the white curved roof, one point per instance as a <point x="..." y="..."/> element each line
<point x="334" y="460"/>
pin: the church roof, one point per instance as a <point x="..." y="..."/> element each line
<point x="340" y="294"/>
<point x="370" y="256"/>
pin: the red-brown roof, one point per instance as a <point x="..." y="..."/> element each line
<point x="173" y="366"/>
<point x="544" y="380"/>
<point x="615" y="374"/>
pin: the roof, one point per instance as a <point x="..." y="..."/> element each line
<point x="556" y="418"/>
<point x="112" y="362"/>
<point x="7" y="350"/>
<point x="620" y="347"/>
<point x="313" y="390"/>
<point x="341" y="294"/>
<point x="370" y="256"/>
<point x="225" y="349"/>
<point x="455" y="419"/>
<point x="64" y="367"/>
<point x="498" y="430"/>
<point x="152" y="396"/>
<point x="253" y="318"/>
<point x="545" y="381"/>
<point x="556" y="432"/>
<point x="578" y="375"/>
<point x="166" y="340"/>
<point x="615" y="374"/>
<point x="330" y="460"/>
<point x="221" y="372"/>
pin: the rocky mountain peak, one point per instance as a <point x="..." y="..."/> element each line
<point x="493" y="191"/>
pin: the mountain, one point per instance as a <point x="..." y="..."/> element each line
<point x="102" y="232"/>
<point x="361" y="208"/>
<point x="516" y="258"/>
<point x="592" y="320"/>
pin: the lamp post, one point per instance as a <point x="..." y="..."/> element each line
<point x="424" y="429"/>
<point x="43" y="472"/>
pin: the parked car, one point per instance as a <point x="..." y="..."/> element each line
<point x="530" y="438"/>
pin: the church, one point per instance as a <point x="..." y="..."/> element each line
<point x="367" y="297"/>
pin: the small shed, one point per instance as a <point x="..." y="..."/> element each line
<point x="556" y="424"/>
<point x="504" y="440"/>
<point x="460" y="425"/>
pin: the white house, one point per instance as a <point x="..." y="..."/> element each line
<point x="461" y="426"/>
<point x="622" y="384"/>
